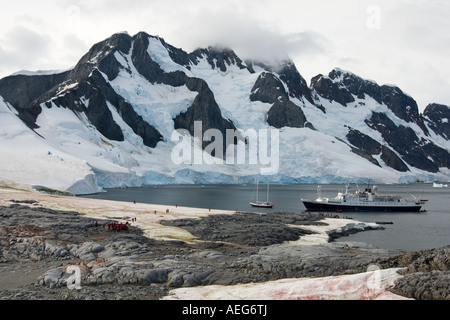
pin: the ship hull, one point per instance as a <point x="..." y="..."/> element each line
<point x="262" y="205"/>
<point x="323" y="206"/>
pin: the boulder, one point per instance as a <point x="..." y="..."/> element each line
<point x="51" y="278"/>
<point x="155" y="276"/>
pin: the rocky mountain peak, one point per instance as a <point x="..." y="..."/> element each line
<point x="218" y="57"/>
<point x="402" y="104"/>
<point x="346" y="88"/>
<point x="129" y="93"/>
<point x="101" y="56"/>
<point x="331" y="90"/>
<point x="437" y="117"/>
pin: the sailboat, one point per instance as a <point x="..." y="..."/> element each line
<point x="262" y="204"/>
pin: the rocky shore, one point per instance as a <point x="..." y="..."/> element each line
<point x="45" y="248"/>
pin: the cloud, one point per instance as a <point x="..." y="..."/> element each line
<point x="248" y="36"/>
<point x="412" y="41"/>
<point x="308" y="43"/>
<point x="23" y="48"/>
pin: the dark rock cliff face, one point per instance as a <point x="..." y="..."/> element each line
<point x="149" y="134"/>
<point x="204" y="109"/>
<point x="96" y="111"/>
<point x="405" y="145"/>
<point x="437" y="117"/>
<point x="296" y="84"/>
<point x="356" y="85"/>
<point x="284" y="113"/>
<point x="31" y="93"/>
<point x="408" y="139"/>
<point x="92" y="86"/>
<point x="402" y="105"/>
<point x="149" y="68"/>
<point x="343" y="87"/>
<point x="417" y="152"/>
<point x="218" y="58"/>
<point x="101" y="56"/>
<point x="268" y="89"/>
<point x="367" y="147"/>
<point x="21" y="90"/>
<point x="326" y="88"/>
<point x="87" y="83"/>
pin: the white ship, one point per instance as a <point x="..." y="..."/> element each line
<point x="367" y="200"/>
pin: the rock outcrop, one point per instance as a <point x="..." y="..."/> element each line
<point x="284" y="113"/>
<point x="234" y="249"/>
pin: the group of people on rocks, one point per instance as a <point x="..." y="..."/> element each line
<point x="329" y="215"/>
<point x="118" y="226"/>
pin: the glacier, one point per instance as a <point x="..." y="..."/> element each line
<point x="27" y="158"/>
<point x="66" y="152"/>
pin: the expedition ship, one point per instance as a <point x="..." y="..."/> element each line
<point x="367" y="200"/>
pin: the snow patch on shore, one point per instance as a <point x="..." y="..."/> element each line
<point x="321" y="232"/>
<point x="370" y="285"/>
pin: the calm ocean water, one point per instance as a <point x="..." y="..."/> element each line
<point x="409" y="231"/>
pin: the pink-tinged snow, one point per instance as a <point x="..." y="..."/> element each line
<point x="369" y="285"/>
<point x="321" y="232"/>
<point x="364" y="286"/>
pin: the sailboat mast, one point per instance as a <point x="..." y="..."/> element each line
<point x="257" y="190"/>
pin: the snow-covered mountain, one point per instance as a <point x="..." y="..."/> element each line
<point x="111" y="121"/>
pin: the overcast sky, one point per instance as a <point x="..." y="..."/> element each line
<point x="401" y="42"/>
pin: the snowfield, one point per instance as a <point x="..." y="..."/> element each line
<point x="67" y="153"/>
<point x="27" y="158"/>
